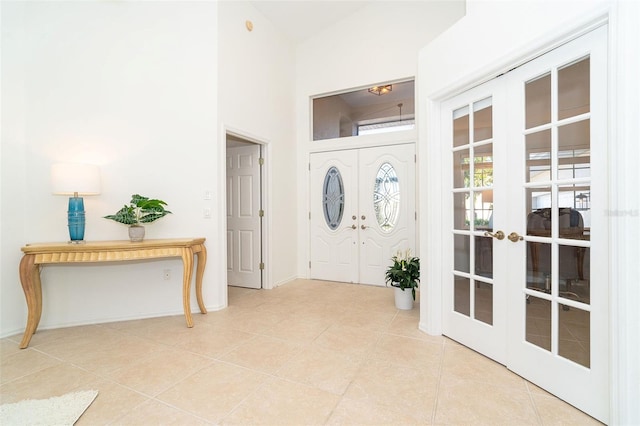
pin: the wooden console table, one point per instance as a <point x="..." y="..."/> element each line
<point x="107" y="251"/>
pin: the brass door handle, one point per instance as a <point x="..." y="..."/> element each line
<point x="363" y="227"/>
<point x="515" y="237"/>
<point x="352" y="227"/>
<point x="498" y="235"/>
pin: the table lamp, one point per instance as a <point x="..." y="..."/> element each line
<point x="75" y="179"/>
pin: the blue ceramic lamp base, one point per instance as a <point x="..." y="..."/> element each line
<point x="76" y="220"/>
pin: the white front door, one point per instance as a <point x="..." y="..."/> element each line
<point x="362" y="211"/>
<point x="244" y="224"/>
<point x="527" y="200"/>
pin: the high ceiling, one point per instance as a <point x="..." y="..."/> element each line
<point x="301" y="19"/>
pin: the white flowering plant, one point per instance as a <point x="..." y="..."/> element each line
<point x="404" y="272"/>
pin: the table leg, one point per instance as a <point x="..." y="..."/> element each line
<point x="32" y="287"/>
<point x="202" y="261"/>
<point x="187" y="261"/>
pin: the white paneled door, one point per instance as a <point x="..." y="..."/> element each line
<point x="244" y="220"/>
<point x="526" y="205"/>
<point x="362" y="211"/>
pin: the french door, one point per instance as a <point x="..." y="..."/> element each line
<point x="527" y="196"/>
<point x="362" y="211"/>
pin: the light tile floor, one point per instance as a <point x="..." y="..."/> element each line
<point x="306" y="353"/>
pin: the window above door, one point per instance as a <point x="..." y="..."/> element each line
<point x="380" y="108"/>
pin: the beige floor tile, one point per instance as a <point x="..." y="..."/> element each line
<point x="408" y="351"/>
<point x="554" y="411"/>
<point x="263" y="353"/>
<point x="213" y="341"/>
<point x="363" y="413"/>
<point x="393" y="387"/>
<point x="143" y="374"/>
<point x="113" y="402"/>
<point x="347" y="341"/>
<point x="300" y="329"/>
<point x="471" y="402"/>
<point x="325" y="370"/>
<point x="463" y="363"/>
<point x="23" y="362"/>
<point x="281" y="402"/>
<point x="52" y="381"/>
<point x="214" y="391"/>
<point x="156" y="413"/>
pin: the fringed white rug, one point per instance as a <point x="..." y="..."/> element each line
<point x="57" y="411"/>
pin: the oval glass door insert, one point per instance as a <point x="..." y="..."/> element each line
<point x="333" y="198"/>
<point x="386" y="197"/>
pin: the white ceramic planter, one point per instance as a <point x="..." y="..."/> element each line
<point x="136" y="233"/>
<point x="404" y="299"/>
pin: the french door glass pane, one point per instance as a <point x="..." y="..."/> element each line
<point x="484" y="302"/>
<point x="461" y="210"/>
<point x="461" y="169"/>
<point x="538" y="330"/>
<point x="484" y="256"/>
<point x="461" y="295"/>
<point x="461" y="254"/>
<point x="538" y="151"/>
<point x="539" y="216"/>
<point x="573" y="89"/>
<point x="574" y="150"/>
<point x="539" y="266"/>
<point x="482" y="120"/>
<point x="574" y="266"/>
<point x="538" y="101"/>
<point x="461" y="127"/>
<point x="574" y="335"/>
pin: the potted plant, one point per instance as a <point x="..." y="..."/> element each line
<point x="404" y="274"/>
<point x="140" y="210"/>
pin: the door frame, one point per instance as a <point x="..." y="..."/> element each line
<point x="622" y="74"/>
<point x="267" y="282"/>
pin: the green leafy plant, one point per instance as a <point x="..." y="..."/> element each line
<point x="140" y="210"/>
<point x="404" y="272"/>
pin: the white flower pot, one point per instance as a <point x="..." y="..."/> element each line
<point x="404" y="299"/>
<point x="136" y="233"/>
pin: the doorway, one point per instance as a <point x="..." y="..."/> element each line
<point x="362" y="212"/>
<point x="245" y="212"/>
<point x="528" y="279"/>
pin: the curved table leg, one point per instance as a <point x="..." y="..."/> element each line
<point x="187" y="261"/>
<point x="32" y="287"/>
<point x="202" y="261"/>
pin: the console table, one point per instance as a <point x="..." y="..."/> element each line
<point x="108" y="251"/>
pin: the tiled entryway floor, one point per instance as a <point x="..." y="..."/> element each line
<point x="306" y="353"/>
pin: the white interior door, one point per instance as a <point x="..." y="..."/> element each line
<point x="527" y="283"/>
<point x="362" y="211"/>
<point x="559" y="274"/>
<point x="244" y="221"/>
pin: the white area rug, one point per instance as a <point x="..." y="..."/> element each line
<point x="57" y="411"/>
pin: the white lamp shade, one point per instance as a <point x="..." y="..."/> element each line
<point x="69" y="178"/>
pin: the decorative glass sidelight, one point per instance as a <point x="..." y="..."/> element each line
<point x="333" y="198"/>
<point x="386" y="197"/>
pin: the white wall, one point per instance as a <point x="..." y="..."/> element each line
<point x="379" y="43"/>
<point x="491" y="38"/>
<point x="256" y="76"/>
<point x="130" y="86"/>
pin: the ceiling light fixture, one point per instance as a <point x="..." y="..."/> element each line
<point x="380" y="90"/>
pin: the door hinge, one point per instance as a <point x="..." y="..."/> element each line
<point x="415" y="215"/>
<point x="309" y="164"/>
<point x="261" y="265"/>
<point x="261" y="213"/>
<point x="261" y="161"/>
<point x="309" y="215"/>
<point x="309" y="264"/>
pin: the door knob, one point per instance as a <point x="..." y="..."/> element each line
<point x="515" y="237"/>
<point x="354" y="217"/>
<point x="498" y="235"/>
<point x="363" y="217"/>
<point x="352" y="227"/>
<point x="363" y="227"/>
